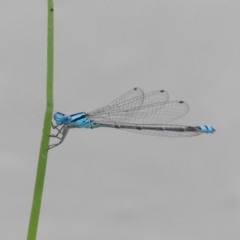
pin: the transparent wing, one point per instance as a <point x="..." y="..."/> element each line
<point x="131" y="99"/>
<point x="155" y="97"/>
<point x="156" y="113"/>
<point x="128" y="105"/>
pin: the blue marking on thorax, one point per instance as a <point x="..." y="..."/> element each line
<point x="207" y="129"/>
<point x="79" y="120"/>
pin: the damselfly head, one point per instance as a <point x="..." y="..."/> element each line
<point x="61" y="118"/>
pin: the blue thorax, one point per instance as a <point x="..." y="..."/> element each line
<point x="79" y="120"/>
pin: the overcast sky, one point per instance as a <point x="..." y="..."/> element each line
<point x="108" y="184"/>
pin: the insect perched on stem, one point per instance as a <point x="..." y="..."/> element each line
<point x="134" y="111"/>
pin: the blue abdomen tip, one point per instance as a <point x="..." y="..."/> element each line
<point x="207" y="129"/>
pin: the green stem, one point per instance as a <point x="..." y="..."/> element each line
<point x="42" y="159"/>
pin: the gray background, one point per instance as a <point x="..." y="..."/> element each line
<point x="112" y="184"/>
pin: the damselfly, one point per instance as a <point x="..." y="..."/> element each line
<point x="134" y="111"/>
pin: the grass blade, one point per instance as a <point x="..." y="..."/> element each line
<point x="42" y="159"/>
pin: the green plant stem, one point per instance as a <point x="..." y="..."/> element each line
<point x="42" y="159"/>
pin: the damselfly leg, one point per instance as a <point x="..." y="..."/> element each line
<point x="59" y="131"/>
<point x="61" y="134"/>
